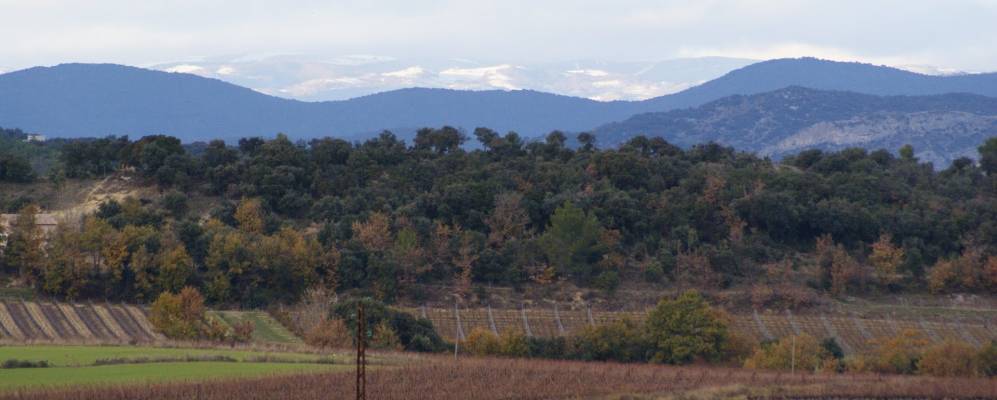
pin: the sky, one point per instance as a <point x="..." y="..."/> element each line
<point x="950" y="35"/>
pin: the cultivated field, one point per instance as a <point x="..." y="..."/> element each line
<point x="35" y="321"/>
<point x="48" y="321"/>
<point x="103" y="365"/>
<point x="851" y="332"/>
<point x="444" y="378"/>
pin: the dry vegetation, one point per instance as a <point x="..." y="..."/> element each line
<point x="443" y="378"/>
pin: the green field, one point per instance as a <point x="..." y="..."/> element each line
<point x="265" y="328"/>
<point x="73" y="365"/>
<point x="74" y="356"/>
<point x="145" y="373"/>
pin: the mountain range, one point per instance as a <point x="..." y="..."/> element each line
<point x="316" y="78"/>
<point x="73" y="100"/>
<point x="786" y="121"/>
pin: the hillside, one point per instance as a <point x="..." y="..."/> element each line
<point x="75" y="100"/>
<point x="785" y="121"/>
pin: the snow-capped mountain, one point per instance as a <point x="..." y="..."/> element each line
<point x="339" y="78"/>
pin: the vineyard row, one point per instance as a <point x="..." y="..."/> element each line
<point x="853" y="334"/>
<point x="49" y="321"/>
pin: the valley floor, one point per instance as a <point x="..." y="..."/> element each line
<point x="445" y="378"/>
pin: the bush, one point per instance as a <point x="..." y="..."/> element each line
<point x="685" y="329"/>
<point x="987" y="360"/>
<point x="896" y="355"/>
<point x="242" y="331"/>
<point x="330" y="333"/>
<point x="802" y="352"/>
<point x="482" y="342"/>
<point x="385" y="338"/>
<point x="514" y="343"/>
<point x="548" y="347"/>
<point x="949" y="358"/>
<point x="618" y="341"/>
<point x="15" y="363"/>
<point x="737" y="348"/>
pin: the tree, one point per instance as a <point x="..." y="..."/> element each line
<point x="571" y="241"/>
<point x="15" y="169"/>
<point x="60" y="275"/>
<point x="988" y="156"/>
<point x="464" y="261"/>
<point x="587" y="141"/>
<point x="887" y="259"/>
<point x="907" y="153"/>
<point x="507" y="220"/>
<point x="176" y="268"/>
<point x="684" y="330"/>
<point x="249" y="214"/>
<point x="179" y="316"/>
<point x="375" y="233"/>
<point x="24" y="252"/>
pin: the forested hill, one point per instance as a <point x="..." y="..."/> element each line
<point x="263" y="221"/>
<point x="786" y="121"/>
<point x="95" y="100"/>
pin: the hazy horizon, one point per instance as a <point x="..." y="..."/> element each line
<point x="312" y="50"/>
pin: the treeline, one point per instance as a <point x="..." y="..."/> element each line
<point x="381" y="215"/>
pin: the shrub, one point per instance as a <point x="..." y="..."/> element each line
<point x="242" y="331"/>
<point x="987" y="360"/>
<point x="737" y="348"/>
<point x="385" y="338"/>
<point x="15" y="363"/>
<point x="514" y="344"/>
<point x="833" y="348"/>
<point x="330" y="333"/>
<point x="618" y="341"/>
<point x="949" y="358"/>
<point x="548" y="347"/>
<point x="685" y="329"/>
<point x="482" y="342"/>
<point x="896" y="355"/>
<point x="213" y="329"/>
<point x="801" y="352"/>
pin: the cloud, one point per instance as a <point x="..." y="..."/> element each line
<point x="410" y="72"/>
<point x="225" y="70"/>
<point x="313" y="86"/>
<point x="495" y="76"/>
<point x="187" y="69"/>
<point x="588" y="72"/>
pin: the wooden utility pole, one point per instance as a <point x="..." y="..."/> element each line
<point x="361" y="352"/>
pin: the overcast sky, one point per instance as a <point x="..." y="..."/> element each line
<point x="957" y="34"/>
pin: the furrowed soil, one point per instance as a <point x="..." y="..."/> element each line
<point x="443" y="378"/>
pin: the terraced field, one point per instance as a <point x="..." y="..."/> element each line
<point x="25" y="321"/>
<point x="852" y="333"/>
<point x="29" y="320"/>
<point x="265" y="328"/>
